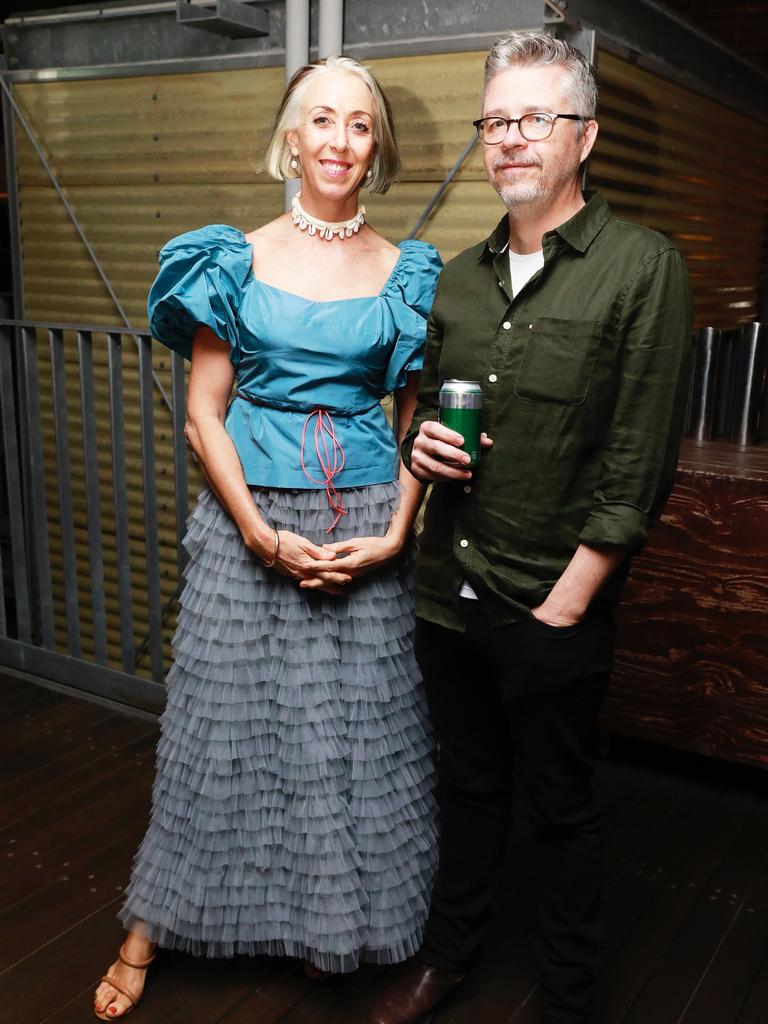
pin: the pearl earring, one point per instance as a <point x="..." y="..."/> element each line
<point x="369" y="173"/>
<point x="294" y="163"/>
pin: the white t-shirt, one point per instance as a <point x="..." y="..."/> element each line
<point x="522" y="267"/>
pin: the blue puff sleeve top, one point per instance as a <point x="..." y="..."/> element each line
<point x="294" y="356"/>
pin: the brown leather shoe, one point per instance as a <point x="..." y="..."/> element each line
<point x="414" y="999"/>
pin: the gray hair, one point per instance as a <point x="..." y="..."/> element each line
<point x="534" y="49"/>
<point x="386" y="160"/>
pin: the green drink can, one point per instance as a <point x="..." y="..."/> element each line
<point x="460" y="405"/>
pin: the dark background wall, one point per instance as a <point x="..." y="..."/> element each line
<point x="741" y="25"/>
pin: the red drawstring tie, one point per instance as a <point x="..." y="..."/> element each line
<point x="325" y="432"/>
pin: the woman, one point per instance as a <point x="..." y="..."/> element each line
<point x="292" y="808"/>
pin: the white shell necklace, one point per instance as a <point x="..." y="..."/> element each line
<point x="326" y="229"/>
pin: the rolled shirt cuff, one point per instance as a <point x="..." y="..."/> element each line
<point x="618" y="523"/>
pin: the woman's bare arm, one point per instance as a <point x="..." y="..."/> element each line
<point x="210" y="385"/>
<point x="412" y="490"/>
<point x="363" y="554"/>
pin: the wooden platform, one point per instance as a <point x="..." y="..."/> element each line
<point x="686" y="905"/>
<point x="691" y="664"/>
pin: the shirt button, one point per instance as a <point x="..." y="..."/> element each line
<point x="506" y="325"/>
<point x="467" y="489"/>
<point x="492" y="378"/>
<point x="464" y="543"/>
<point x="501" y="284"/>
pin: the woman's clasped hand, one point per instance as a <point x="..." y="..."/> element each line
<point x="331" y="567"/>
<point x="309" y="563"/>
<point x="353" y="558"/>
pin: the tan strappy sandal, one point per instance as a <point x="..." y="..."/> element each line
<point x="138" y="965"/>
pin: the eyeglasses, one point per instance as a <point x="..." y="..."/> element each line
<point x="533" y="127"/>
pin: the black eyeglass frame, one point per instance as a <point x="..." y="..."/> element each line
<point x="516" y="120"/>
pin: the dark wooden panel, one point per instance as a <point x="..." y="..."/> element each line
<point x="686" y="904"/>
<point x="692" y="655"/>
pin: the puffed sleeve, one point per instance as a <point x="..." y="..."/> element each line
<point x="411" y="290"/>
<point x="200" y="281"/>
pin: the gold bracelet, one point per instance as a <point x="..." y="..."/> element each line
<point x="268" y="565"/>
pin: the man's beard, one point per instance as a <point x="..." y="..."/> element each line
<point x="543" y="187"/>
<point x="519" y="193"/>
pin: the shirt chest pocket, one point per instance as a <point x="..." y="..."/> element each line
<point x="558" y="360"/>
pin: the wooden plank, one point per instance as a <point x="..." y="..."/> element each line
<point x="735" y="918"/>
<point x="114" y="750"/>
<point x="655" y="901"/>
<point x="95" y="872"/>
<point x="16" y="690"/>
<point x="753" y="1010"/>
<point x="50" y="739"/>
<point x="190" y="990"/>
<point x="47" y="857"/>
<point x="61" y="968"/>
<point x="121" y="773"/>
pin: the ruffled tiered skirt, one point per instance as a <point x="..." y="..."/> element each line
<point x="292" y="811"/>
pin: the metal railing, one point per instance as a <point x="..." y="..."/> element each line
<point x="44" y="608"/>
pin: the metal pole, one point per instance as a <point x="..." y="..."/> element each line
<point x="330" y="33"/>
<point x="443" y="186"/>
<point x="296" y="56"/>
<point x="11" y="172"/>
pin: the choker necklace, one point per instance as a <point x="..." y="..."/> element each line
<point x="325" y="228"/>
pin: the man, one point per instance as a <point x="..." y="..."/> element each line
<point x="578" y="328"/>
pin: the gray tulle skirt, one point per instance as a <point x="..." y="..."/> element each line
<point x="292" y="808"/>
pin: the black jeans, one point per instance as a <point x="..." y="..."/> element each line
<point x="522" y="697"/>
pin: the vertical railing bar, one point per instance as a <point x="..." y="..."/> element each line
<point x="120" y="499"/>
<point x="3" y="621"/>
<point x="93" y="500"/>
<point x="26" y="477"/>
<point x="14" y="492"/>
<point x="14" y="213"/>
<point x="147" y="413"/>
<point x="38" y="509"/>
<point x="66" y="518"/>
<point x="179" y="460"/>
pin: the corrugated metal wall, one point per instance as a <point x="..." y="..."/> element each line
<point x="694" y="170"/>
<point x="143" y="159"/>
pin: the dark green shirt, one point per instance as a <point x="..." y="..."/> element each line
<point x="584" y="376"/>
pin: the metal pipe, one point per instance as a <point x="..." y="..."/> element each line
<point x="14" y="219"/>
<point x="14" y="492"/>
<point x="93" y="512"/>
<point x="64" y="472"/>
<point x="296" y="56"/>
<point x="330" y="32"/>
<point x="120" y="497"/>
<point x="441" y="188"/>
<point x="750" y="373"/>
<point x="38" y="504"/>
<point x="149" y="479"/>
<point x="701" y="412"/>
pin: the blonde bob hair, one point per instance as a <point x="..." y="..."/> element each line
<point x="386" y="160"/>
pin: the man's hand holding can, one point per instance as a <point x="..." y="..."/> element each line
<point x="437" y="453"/>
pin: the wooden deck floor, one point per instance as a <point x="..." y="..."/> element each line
<point x="687" y="899"/>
